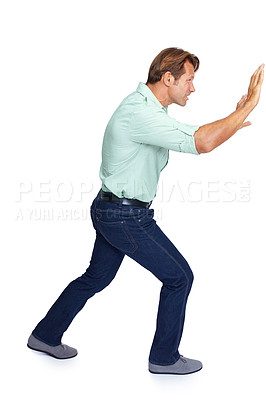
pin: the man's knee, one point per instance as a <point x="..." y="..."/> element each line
<point x="190" y="277"/>
<point x="181" y="280"/>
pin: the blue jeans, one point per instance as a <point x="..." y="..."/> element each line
<point x="127" y="230"/>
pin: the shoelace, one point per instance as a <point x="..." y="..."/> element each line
<point x="183" y="359"/>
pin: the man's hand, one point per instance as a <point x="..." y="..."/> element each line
<point x="254" y="89"/>
<point x="253" y="96"/>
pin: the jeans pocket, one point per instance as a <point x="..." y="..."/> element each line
<point x="118" y="235"/>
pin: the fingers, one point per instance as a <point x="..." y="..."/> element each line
<point x="261" y="76"/>
<point x="243" y="98"/>
<point x="254" y="76"/>
<point x="255" y="85"/>
<point x="254" y="90"/>
<point x="241" y="101"/>
<point x="258" y="75"/>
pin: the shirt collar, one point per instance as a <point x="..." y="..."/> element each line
<point x="147" y="93"/>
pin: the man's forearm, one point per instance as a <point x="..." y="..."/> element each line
<point x="210" y="136"/>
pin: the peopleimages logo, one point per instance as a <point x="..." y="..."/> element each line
<point x="62" y="200"/>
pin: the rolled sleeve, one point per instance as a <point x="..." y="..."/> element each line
<point x="188" y="131"/>
<point x="155" y="127"/>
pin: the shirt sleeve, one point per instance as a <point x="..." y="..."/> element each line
<point x="154" y="126"/>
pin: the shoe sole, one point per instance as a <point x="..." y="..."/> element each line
<point x="173" y="373"/>
<point x="50" y="354"/>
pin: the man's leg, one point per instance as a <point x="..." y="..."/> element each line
<point x="104" y="265"/>
<point x="157" y="253"/>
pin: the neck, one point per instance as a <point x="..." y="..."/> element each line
<point x="160" y="92"/>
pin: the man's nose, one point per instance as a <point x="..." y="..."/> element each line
<point x="192" y="88"/>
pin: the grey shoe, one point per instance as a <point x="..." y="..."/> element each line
<point x="183" y="366"/>
<point x="62" y="351"/>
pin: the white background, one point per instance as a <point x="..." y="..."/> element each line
<point x="65" y="66"/>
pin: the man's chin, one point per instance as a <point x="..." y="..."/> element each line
<point x="182" y="104"/>
<point x="185" y="101"/>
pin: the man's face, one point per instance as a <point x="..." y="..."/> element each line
<point x="182" y="87"/>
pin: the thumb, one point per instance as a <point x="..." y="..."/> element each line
<point x="247" y="123"/>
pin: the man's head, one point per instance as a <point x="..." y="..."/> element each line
<point x="171" y="75"/>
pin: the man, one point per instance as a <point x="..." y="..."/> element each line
<point x="135" y="149"/>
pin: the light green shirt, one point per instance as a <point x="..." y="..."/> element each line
<point x="136" y="145"/>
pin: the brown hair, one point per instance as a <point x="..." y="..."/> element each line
<point x="172" y="60"/>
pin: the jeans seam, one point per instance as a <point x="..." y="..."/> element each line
<point x="133" y="240"/>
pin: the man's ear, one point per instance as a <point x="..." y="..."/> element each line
<point x="168" y="79"/>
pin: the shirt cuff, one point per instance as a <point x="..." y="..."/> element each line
<point x="189" y="146"/>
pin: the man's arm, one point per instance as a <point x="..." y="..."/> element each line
<point x="209" y="136"/>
